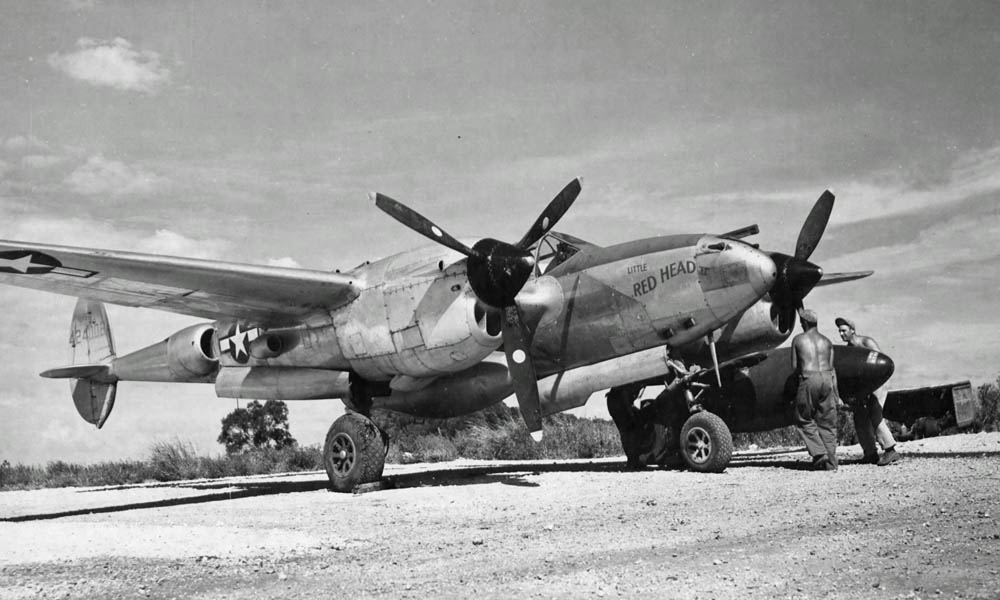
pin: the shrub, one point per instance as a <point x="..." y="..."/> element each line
<point x="775" y="438"/>
<point x="256" y="426"/>
<point x="172" y="461"/>
<point x="988" y="415"/>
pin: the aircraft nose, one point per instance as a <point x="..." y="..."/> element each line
<point x="733" y="275"/>
<point x="761" y="269"/>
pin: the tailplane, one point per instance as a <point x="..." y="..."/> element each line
<point x="91" y="350"/>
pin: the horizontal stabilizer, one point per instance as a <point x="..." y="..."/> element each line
<point x="100" y="372"/>
<point x="831" y="278"/>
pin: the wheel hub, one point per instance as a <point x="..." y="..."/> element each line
<point x="342" y="454"/>
<point x="699" y="445"/>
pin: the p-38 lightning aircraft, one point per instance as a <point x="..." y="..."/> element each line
<point x="420" y="332"/>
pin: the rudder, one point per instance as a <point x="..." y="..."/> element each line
<point x="91" y="343"/>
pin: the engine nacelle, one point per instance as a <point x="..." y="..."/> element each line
<point x="754" y="330"/>
<point x="186" y="356"/>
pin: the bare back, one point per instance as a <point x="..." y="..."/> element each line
<point x="864" y="341"/>
<point x="812" y="351"/>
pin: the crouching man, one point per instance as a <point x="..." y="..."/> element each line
<point x="868" y="422"/>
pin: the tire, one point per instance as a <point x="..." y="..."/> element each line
<point x="706" y="443"/>
<point x="354" y="452"/>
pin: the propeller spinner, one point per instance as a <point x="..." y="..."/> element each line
<point x="497" y="271"/>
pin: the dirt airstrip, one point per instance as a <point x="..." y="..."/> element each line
<point x="926" y="527"/>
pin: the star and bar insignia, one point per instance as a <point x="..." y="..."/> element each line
<point x="27" y="262"/>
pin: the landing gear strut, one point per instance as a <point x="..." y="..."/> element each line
<point x="355" y="449"/>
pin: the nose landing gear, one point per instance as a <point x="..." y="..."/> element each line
<point x="705" y="440"/>
<point x="675" y="422"/>
<point x="706" y="443"/>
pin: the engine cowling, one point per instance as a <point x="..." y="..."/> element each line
<point x="186" y="356"/>
<point x="756" y="329"/>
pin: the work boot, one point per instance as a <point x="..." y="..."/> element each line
<point x="870" y="459"/>
<point x="822" y="463"/>
<point x="888" y="457"/>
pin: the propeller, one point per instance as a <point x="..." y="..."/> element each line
<point x="497" y="271"/>
<point x="796" y="275"/>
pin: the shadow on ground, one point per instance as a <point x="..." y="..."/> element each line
<point x="514" y="474"/>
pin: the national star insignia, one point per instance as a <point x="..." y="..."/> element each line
<point x="22" y="264"/>
<point x="238" y="344"/>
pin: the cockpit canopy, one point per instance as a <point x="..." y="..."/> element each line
<point x="555" y="249"/>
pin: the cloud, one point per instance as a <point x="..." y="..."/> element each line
<point x="287" y="261"/>
<point x="113" y="63"/>
<point x="97" y="233"/>
<point x="171" y="243"/>
<point x="22" y="143"/>
<point x="100" y="176"/>
<point x="41" y="161"/>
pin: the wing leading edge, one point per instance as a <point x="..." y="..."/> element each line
<point x="201" y="288"/>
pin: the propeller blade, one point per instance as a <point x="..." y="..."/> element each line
<point x="831" y="278"/>
<point x="516" y="341"/>
<point x="417" y="222"/>
<point x="552" y="213"/>
<point x="496" y="270"/>
<point x="812" y="230"/>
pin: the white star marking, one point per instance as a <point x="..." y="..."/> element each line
<point x="21" y="265"/>
<point x="238" y="344"/>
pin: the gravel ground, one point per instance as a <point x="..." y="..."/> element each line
<point x="766" y="528"/>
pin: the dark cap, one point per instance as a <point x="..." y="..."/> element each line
<point x="842" y="321"/>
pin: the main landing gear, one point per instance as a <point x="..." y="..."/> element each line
<point x="355" y="449"/>
<point x="674" y="423"/>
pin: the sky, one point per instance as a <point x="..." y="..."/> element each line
<point x="253" y="132"/>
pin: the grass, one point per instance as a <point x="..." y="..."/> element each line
<point x="496" y="433"/>
<point x="167" y="461"/>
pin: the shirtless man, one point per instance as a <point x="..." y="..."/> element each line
<point x="816" y="399"/>
<point x="868" y="422"/>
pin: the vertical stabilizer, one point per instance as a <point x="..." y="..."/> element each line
<point x="90" y="343"/>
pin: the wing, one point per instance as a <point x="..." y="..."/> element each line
<point x="201" y="288"/>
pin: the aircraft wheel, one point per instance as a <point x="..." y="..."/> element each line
<point x="706" y="443"/>
<point x="354" y="452"/>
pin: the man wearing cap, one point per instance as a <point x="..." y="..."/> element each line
<point x="868" y="422"/>
<point x="816" y="398"/>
